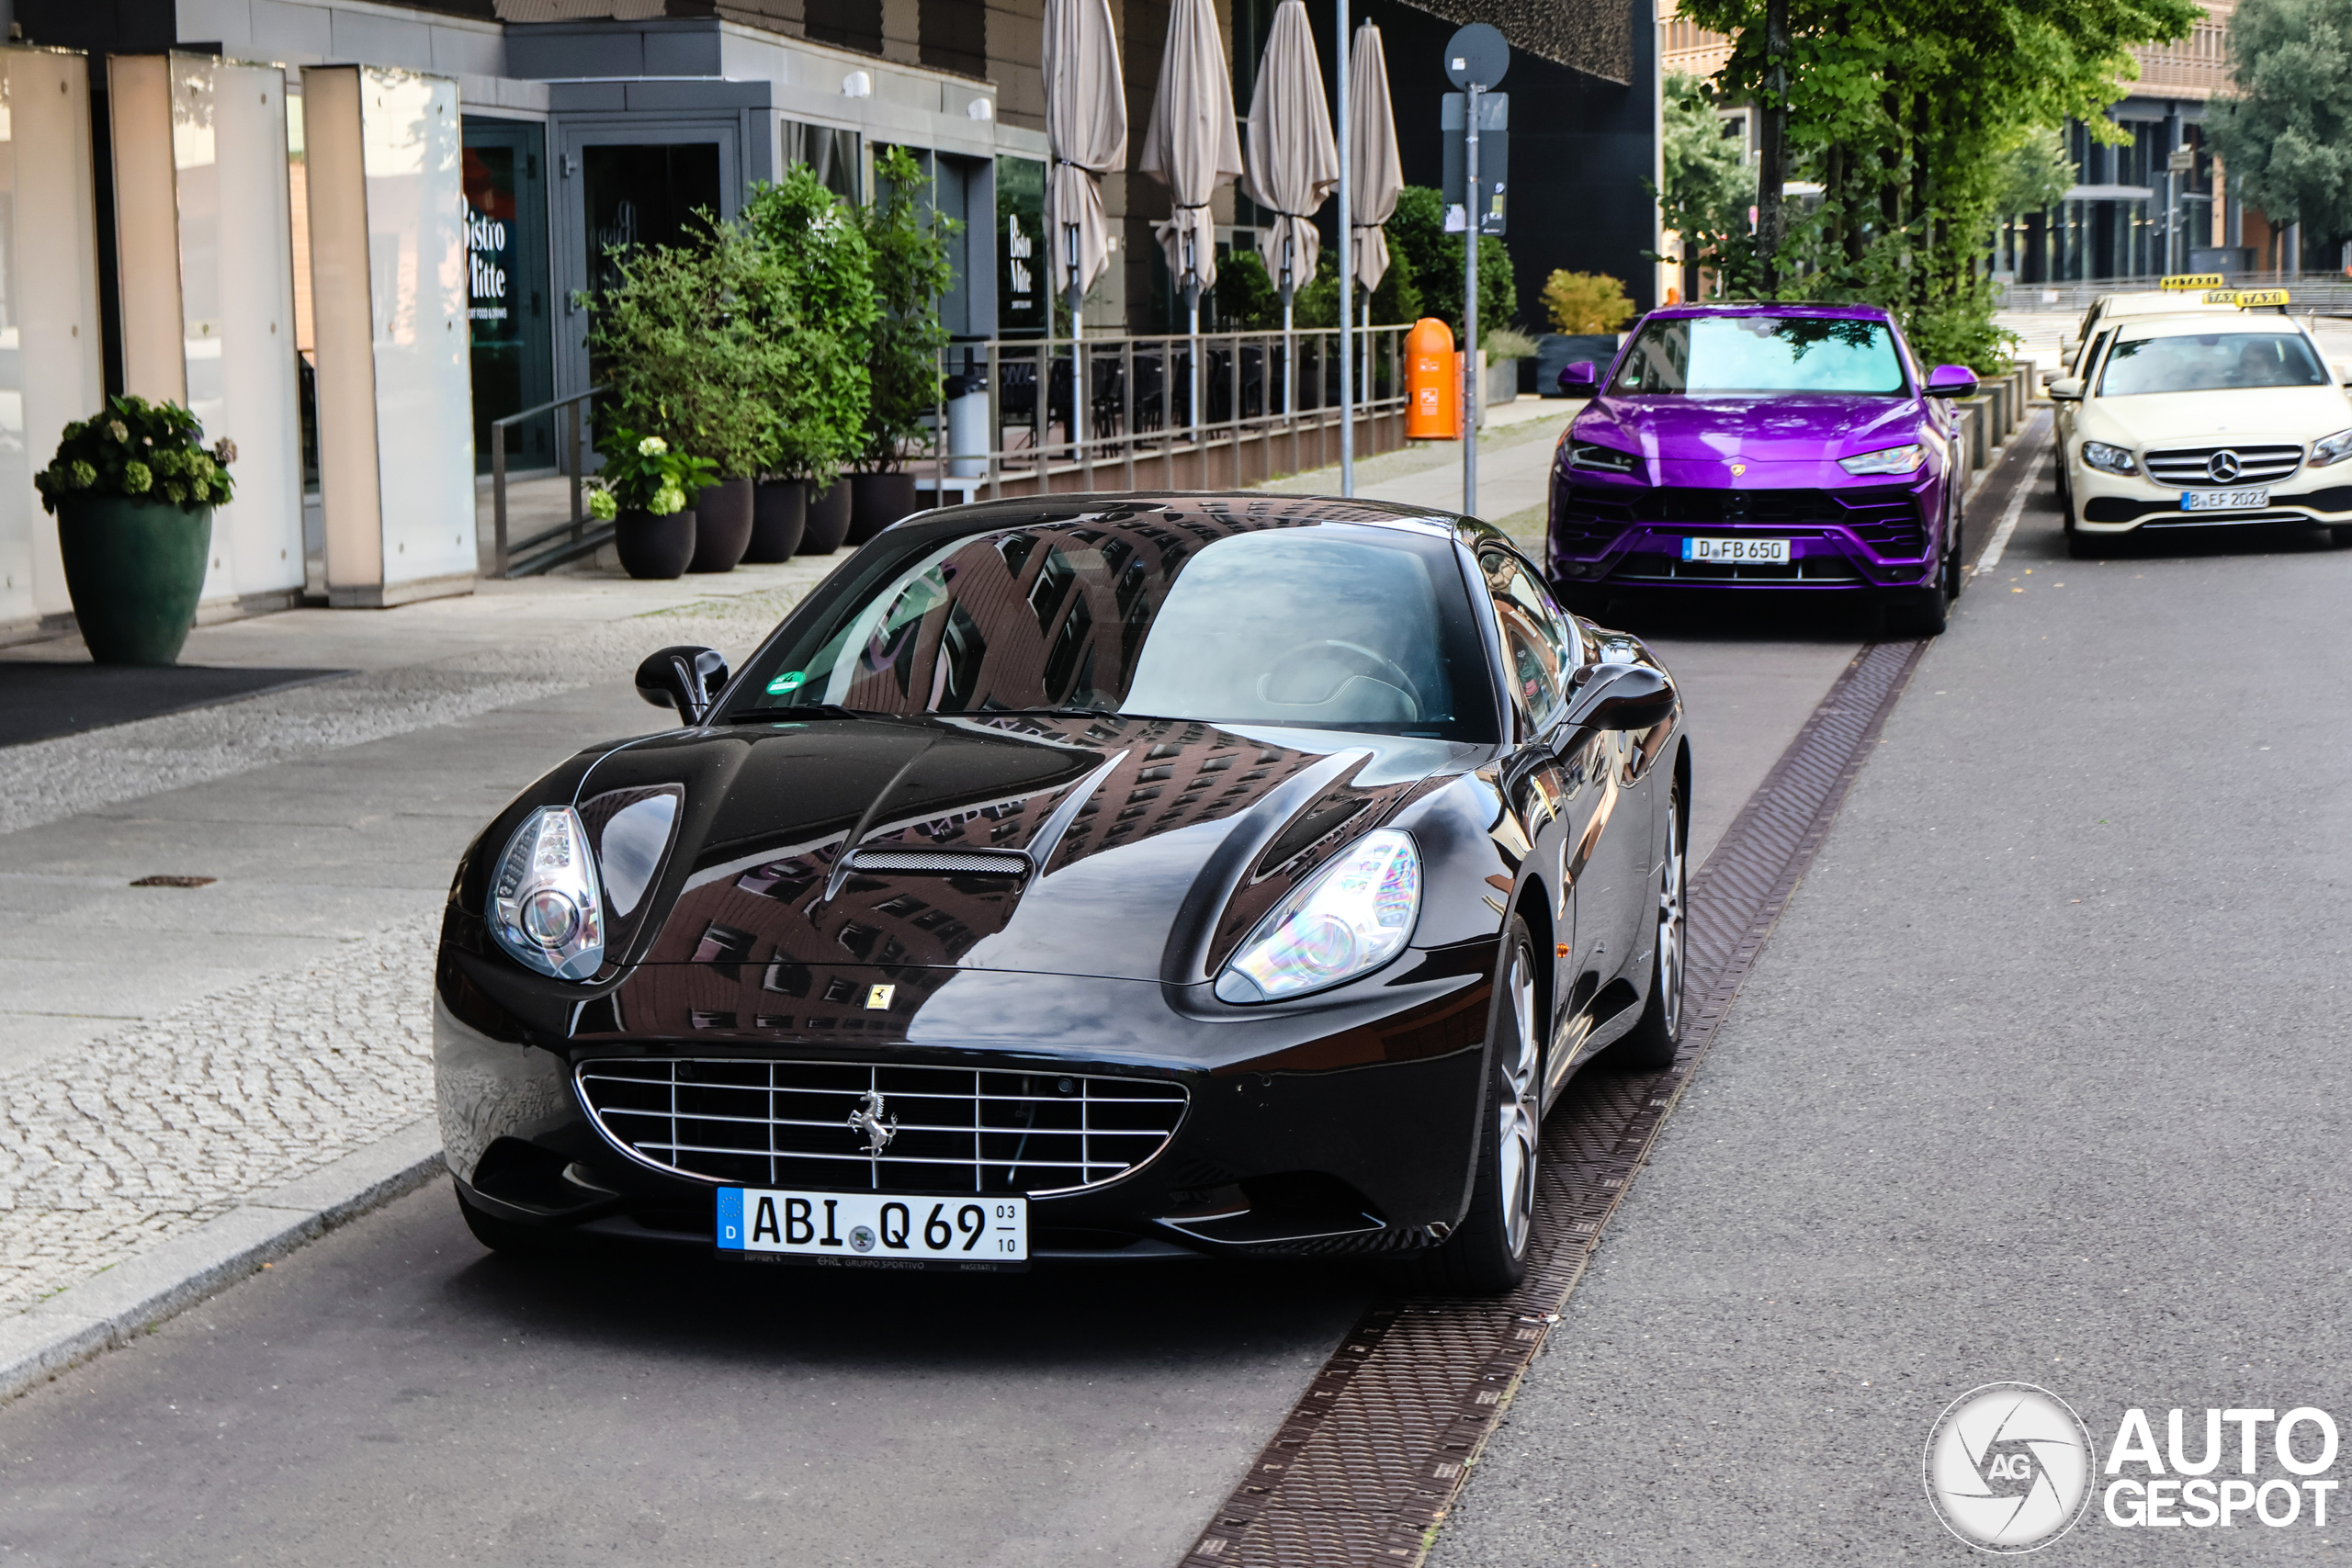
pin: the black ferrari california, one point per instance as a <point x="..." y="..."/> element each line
<point x="1093" y="876"/>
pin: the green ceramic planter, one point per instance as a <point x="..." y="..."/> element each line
<point x="134" y="571"/>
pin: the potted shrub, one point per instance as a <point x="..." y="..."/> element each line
<point x="909" y="244"/>
<point x="678" y="343"/>
<point x="642" y="492"/>
<point x="816" y="299"/>
<point x="134" y="489"/>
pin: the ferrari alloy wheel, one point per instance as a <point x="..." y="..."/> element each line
<point x="1650" y="1047"/>
<point x="1489" y="1253"/>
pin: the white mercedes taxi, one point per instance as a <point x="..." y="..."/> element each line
<point x="2198" y="419"/>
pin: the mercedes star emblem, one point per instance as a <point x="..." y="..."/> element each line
<point x="2224" y="465"/>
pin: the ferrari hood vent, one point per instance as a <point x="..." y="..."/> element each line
<point x="941" y="862"/>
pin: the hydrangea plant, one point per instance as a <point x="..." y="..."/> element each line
<point x="641" y="474"/>
<point x="152" y="452"/>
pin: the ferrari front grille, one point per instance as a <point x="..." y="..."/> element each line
<point x="884" y="1127"/>
<point x="2194" y="467"/>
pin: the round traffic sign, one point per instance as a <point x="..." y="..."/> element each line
<point x="1478" y="54"/>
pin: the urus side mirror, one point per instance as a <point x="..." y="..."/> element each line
<point x="1630" y="696"/>
<point x="1951" y="381"/>
<point x="1583" y="378"/>
<point x="688" y="679"/>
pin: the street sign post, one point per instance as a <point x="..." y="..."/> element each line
<point x="1475" y="58"/>
<point x="1494" y="158"/>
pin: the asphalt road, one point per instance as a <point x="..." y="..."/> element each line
<point x="391" y="1393"/>
<point x="2042" y="1078"/>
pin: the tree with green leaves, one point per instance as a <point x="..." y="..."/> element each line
<point x="1911" y="116"/>
<point x="906" y="242"/>
<point x="2286" y="139"/>
<point x="683" y="344"/>
<point x="1417" y="230"/>
<point x="1710" y="184"/>
<point x="814" y="292"/>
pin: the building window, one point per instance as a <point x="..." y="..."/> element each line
<point x="954" y="35"/>
<point x="852" y="24"/>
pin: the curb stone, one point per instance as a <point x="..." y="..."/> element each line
<point x="110" y="1307"/>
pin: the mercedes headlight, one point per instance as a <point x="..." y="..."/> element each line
<point x="1352" y="917"/>
<point x="2331" y="448"/>
<point x="545" y="905"/>
<point x="2111" y="460"/>
<point x="1887" y="460"/>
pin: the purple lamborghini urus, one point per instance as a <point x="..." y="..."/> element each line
<point x="1792" y="446"/>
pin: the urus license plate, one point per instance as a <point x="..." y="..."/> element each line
<point x="2224" y="500"/>
<point x="1760" y="552"/>
<point x="872" y="1230"/>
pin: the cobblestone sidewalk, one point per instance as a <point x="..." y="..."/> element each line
<point x="165" y="1124"/>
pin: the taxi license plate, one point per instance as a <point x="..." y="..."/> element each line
<point x="1760" y="552"/>
<point x="2224" y="500"/>
<point x="872" y="1230"/>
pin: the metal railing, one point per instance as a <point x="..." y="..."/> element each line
<point x="575" y="539"/>
<point x="1172" y="412"/>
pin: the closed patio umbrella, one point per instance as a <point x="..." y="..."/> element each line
<point x="1086" y="127"/>
<point x="1376" y="174"/>
<point x="1191" y="147"/>
<point x="1086" y="130"/>
<point x="1294" y="163"/>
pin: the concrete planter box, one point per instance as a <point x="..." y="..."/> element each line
<point x="1976" y="418"/>
<point x="1501" y="384"/>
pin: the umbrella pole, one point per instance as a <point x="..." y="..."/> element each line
<point x="1290" y="289"/>
<point x="1193" y="346"/>
<point x="1347" y="260"/>
<point x="1078" y="409"/>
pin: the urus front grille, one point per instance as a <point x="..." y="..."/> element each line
<point x="880" y="1126"/>
<point x="2194" y="467"/>
<point x="1885" y="518"/>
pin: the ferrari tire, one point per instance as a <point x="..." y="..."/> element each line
<point x="499" y="1235"/>
<point x="1486" y="1254"/>
<point x="1657" y="1034"/>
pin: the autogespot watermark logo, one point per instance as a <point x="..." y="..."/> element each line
<point x="2009" y="1467"/>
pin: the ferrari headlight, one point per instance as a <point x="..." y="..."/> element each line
<point x="545" y="905"/>
<point x="2331" y="448"/>
<point x="1352" y="917"/>
<point x="1887" y="460"/>
<point x="2111" y="460"/>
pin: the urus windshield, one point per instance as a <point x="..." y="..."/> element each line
<point x="1699" y="354"/>
<point x="1194" y="617"/>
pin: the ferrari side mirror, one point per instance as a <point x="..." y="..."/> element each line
<point x="687" y="679"/>
<point x="1631" y="696"/>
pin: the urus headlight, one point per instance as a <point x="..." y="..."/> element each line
<point x="1352" y="917"/>
<point x="545" y="905"/>
<point x="1887" y="460"/>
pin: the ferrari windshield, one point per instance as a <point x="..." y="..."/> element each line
<point x="1698" y="354"/>
<point x="1201" y="616"/>
<point x="2210" y="362"/>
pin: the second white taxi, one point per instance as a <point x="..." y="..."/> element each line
<point x="2190" y="420"/>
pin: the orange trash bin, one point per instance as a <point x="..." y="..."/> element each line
<point x="1432" y="383"/>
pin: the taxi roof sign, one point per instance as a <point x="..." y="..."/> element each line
<point x="2254" y="298"/>
<point x="2193" y="280"/>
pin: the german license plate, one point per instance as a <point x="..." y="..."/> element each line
<point x="872" y="1230"/>
<point x="1745" y="552"/>
<point x="2224" y="500"/>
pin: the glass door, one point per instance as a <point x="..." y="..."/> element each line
<point x="508" y="286"/>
